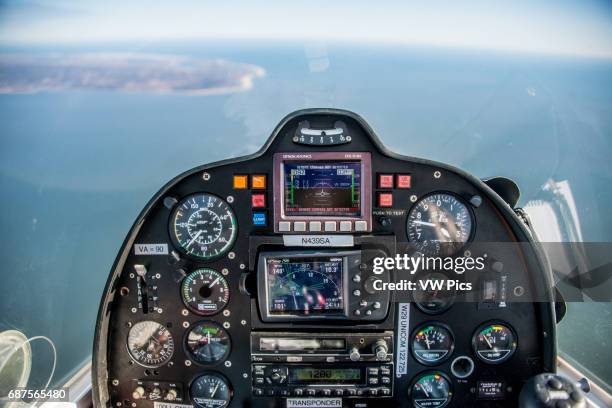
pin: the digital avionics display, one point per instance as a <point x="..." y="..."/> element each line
<point x="324" y="375"/>
<point x="305" y="286"/>
<point x="322" y="188"/>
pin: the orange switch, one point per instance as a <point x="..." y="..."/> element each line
<point x="258" y="181"/>
<point x="240" y="182"/>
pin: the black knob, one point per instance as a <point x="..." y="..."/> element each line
<point x="385" y="221"/>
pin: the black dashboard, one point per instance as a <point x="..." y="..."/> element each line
<point x="254" y="282"/>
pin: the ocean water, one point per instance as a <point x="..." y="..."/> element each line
<point x="77" y="167"/>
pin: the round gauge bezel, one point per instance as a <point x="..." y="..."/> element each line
<point x="188" y="352"/>
<point x="459" y="198"/>
<point x="491" y="323"/>
<point x="428" y="372"/>
<point x="439" y="311"/>
<point x="127" y="345"/>
<point x="211" y="374"/>
<point x="198" y="312"/>
<point x="443" y="359"/>
<point x="179" y="246"/>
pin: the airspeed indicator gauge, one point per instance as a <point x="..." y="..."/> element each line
<point x="203" y="226"/>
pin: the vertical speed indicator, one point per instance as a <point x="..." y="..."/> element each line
<point x="203" y="226"/>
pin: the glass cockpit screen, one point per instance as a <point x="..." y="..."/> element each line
<point x="322" y="188"/>
<point x="305" y="286"/>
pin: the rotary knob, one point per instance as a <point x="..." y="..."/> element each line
<point x="354" y="354"/>
<point x="138" y="393"/>
<point x="171" y="395"/>
<point x="380" y="350"/>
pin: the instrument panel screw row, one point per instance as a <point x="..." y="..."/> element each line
<point x="206" y="176"/>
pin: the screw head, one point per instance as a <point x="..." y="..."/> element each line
<point x="185" y="312"/>
<point x="225" y="271"/>
<point x="437" y="174"/>
<point x="230" y="199"/>
<point x="206" y="176"/>
<point x="228" y="363"/>
<point x="231" y="255"/>
<point x="187" y="363"/>
<point x="185" y="324"/>
<point x="226" y="312"/>
<point x="413" y="198"/>
<point x="227" y="325"/>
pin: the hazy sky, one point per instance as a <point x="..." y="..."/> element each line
<point x="581" y="27"/>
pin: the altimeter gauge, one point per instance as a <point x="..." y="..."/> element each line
<point x="439" y="224"/>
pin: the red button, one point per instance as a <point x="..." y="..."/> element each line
<point x="258" y="200"/>
<point x="403" y="181"/>
<point x="385" y="199"/>
<point x="385" y="181"/>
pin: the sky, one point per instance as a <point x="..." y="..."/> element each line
<point x="582" y="27"/>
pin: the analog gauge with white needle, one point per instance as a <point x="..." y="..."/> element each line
<point x="203" y="226"/>
<point x="431" y="390"/>
<point x="210" y="391"/>
<point x="205" y="291"/>
<point x="439" y="224"/>
<point x="432" y="344"/>
<point x="150" y="344"/>
<point x="494" y="343"/>
<point x="207" y="343"/>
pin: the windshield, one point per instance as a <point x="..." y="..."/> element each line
<point x="102" y="104"/>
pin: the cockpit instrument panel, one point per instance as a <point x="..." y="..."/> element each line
<point x="258" y="282"/>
